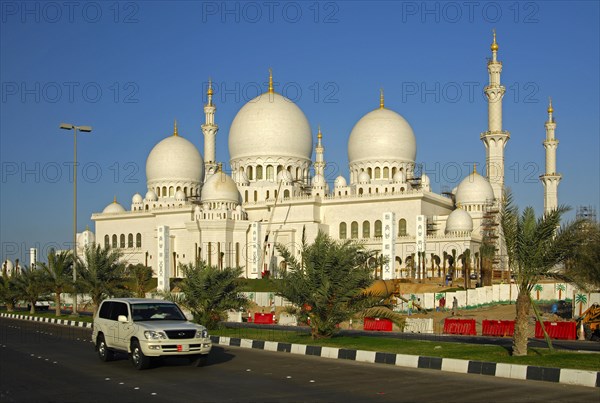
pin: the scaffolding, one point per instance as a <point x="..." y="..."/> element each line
<point x="586" y="213"/>
<point x="490" y="233"/>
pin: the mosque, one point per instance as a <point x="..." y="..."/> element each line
<point x="276" y="194"/>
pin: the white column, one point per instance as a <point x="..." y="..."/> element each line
<point x="163" y="258"/>
<point x="388" y="247"/>
<point x="420" y="236"/>
<point x="32" y="258"/>
<point x="255" y="253"/>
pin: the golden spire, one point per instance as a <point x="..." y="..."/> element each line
<point x="319" y="134"/>
<point x="115" y="199"/>
<point x="271" y="90"/>
<point x="474" y="167"/>
<point x="175" y="133"/>
<point x="550" y="108"/>
<point x="381" y="100"/>
<point x="210" y="90"/>
<point x="87" y="227"/>
<point x="494" y="44"/>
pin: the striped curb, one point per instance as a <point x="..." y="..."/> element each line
<point x="512" y="371"/>
<point x="55" y="321"/>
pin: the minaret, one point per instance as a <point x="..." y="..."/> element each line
<point x="209" y="129"/>
<point x="319" y="159"/>
<point x="495" y="138"/>
<point x="550" y="179"/>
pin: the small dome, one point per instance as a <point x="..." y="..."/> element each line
<point x="382" y="134"/>
<point x="180" y="195"/>
<point x="220" y="188"/>
<point x="425" y="182"/>
<point x="399" y="176"/>
<point x="137" y="199"/>
<point x="459" y="221"/>
<point x="243" y="178"/>
<point x="474" y="189"/>
<point x="174" y="159"/>
<point x="151" y="196"/>
<point x="8" y="265"/>
<point x="364" y="177"/>
<point x="270" y="125"/>
<point x="318" y="180"/>
<point x="340" y="181"/>
<point x="284" y="176"/>
<point x="454" y="190"/>
<point x="113" y="207"/>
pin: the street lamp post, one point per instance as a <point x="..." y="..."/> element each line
<point x="86" y="129"/>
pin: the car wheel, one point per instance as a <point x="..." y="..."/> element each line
<point x="103" y="352"/>
<point x="138" y="359"/>
<point x="200" y="360"/>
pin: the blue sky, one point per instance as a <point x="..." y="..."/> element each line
<point x="130" y="68"/>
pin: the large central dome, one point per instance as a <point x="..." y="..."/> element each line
<point x="382" y="135"/>
<point x="270" y="126"/>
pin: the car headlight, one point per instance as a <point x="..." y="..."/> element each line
<point x="154" y="335"/>
<point x="201" y="334"/>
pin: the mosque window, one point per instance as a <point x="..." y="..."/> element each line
<point x="267" y="195"/>
<point x="402" y="227"/>
<point x="122" y="241"/>
<point x="178" y="188"/>
<point x="270" y="172"/>
<point x="275" y="194"/>
<point x="255" y="195"/>
<point x="259" y="172"/>
<point x="250" y="173"/>
<point x="370" y="172"/>
<point x="286" y="194"/>
<point x="138" y="240"/>
<point x="298" y="175"/>
<point x="246" y="196"/>
<point x="366" y="229"/>
<point x="164" y="191"/>
<point x="185" y="191"/>
<point x="378" y="229"/>
<point x="360" y="191"/>
<point x="393" y="172"/>
<point x="386" y="172"/>
<point x="377" y="173"/>
<point x="114" y="241"/>
<point x="106" y="242"/>
<point x="343" y="230"/>
<point x="158" y="191"/>
<point x="130" y="241"/>
<point x="354" y="230"/>
<point x="171" y="191"/>
<point x="279" y="168"/>
<point x="237" y="254"/>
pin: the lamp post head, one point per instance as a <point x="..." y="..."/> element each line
<point x="66" y="126"/>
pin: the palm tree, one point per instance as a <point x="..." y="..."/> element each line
<point x="444" y="259"/>
<point x="535" y="246"/>
<point x="102" y="274"/>
<point x="329" y="283"/>
<point x="580" y="299"/>
<point x="30" y="285"/>
<point x="140" y="277"/>
<point x="8" y="292"/>
<point x="208" y="292"/>
<point x="560" y="288"/>
<point x="58" y="273"/>
<point x="537" y="289"/>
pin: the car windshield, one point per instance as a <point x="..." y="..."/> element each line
<point x="156" y="311"/>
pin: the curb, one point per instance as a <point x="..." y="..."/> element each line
<point x="54" y="321"/>
<point x="512" y="371"/>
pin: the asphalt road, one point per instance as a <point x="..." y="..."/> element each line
<point x="43" y="362"/>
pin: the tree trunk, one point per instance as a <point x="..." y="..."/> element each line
<point x="10" y="307"/>
<point x="57" y="304"/>
<point x="523" y="307"/>
<point x="32" y="309"/>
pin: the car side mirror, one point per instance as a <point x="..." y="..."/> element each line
<point x="122" y="319"/>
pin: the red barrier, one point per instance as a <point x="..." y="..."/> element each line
<point x="500" y="328"/>
<point x="460" y="326"/>
<point x="557" y="330"/>
<point x="378" y="324"/>
<point x="263" y="318"/>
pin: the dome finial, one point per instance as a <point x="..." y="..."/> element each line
<point x="474" y="167"/>
<point x="550" y="108"/>
<point x="115" y="199"/>
<point x="220" y="167"/>
<point x="87" y="227"/>
<point x="494" y="44"/>
<point x="209" y="91"/>
<point x="175" y="133"/>
<point x="271" y="90"/>
<point x="319" y="134"/>
<point x="381" y="100"/>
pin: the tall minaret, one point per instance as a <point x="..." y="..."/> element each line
<point x="210" y="129"/>
<point x="319" y="159"/>
<point x="495" y="138"/>
<point x="550" y="179"/>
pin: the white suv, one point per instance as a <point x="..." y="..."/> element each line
<point x="147" y="328"/>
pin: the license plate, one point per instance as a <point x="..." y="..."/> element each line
<point x="183" y="347"/>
